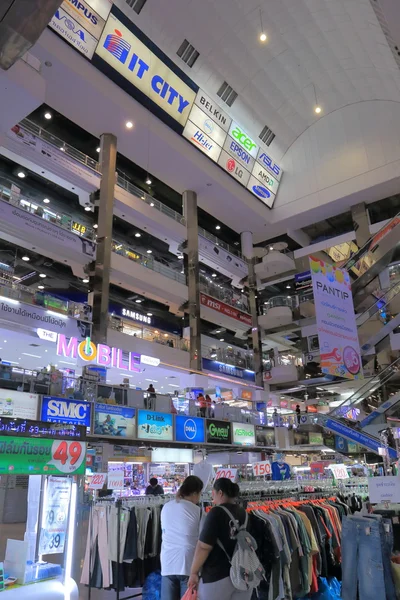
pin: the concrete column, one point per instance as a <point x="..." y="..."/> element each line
<point x="247" y="249"/>
<point x="192" y="274"/>
<point x="360" y="223"/>
<point x="100" y="273"/>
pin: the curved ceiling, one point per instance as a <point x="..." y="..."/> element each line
<point x="338" y="46"/>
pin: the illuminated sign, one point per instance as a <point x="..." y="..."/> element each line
<point x="71" y="30"/>
<point x="233" y="167"/>
<point x="85" y="15"/>
<point x="206" y="124"/>
<point x="189" y="429"/>
<point x="102" y="354"/>
<point x="45" y="334"/>
<point x="264" y="159"/>
<point x="243" y="434"/>
<point x="199" y="139"/>
<point x="154" y="426"/>
<point x="63" y="410"/>
<point x="240" y="154"/>
<point x="218" y="432"/>
<point x="261" y="191"/>
<point x="211" y="109"/>
<point x="265" y="178"/>
<point x="131" y="314"/>
<point x="145" y="69"/>
<point x="79" y="227"/>
<point x="237" y="133"/>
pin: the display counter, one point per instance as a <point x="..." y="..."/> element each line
<point x="53" y="589"/>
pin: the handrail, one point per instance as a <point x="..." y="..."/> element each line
<point x="213" y="238"/>
<point x="225" y="294"/>
<point x="147" y="261"/>
<point x="387" y="296"/>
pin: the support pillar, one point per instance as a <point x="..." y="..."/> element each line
<point x="190" y="214"/>
<point x="360" y="223"/>
<point x="100" y="274"/>
<point x="247" y="249"/>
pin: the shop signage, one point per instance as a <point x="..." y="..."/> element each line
<point x="207" y="125"/>
<point x="265" y="436"/>
<point x="230" y="370"/>
<point x="316" y="438"/>
<point x="339" y="471"/>
<point x="97" y="481"/>
<point x="261" y="468"/>
<point x="240" y="154"/>
<point x="148" y="72"/>
<point x="84" y="14"/>
<point x="233" y="167"/>
<point x="218" y="432"/>
<point x="202" y="141"/>
<point x="102" y="7"/>
<point x="36" y="456"/>
<point x="135" y="316"/>
<point x="115" y="478"/>
<point x="240" y="136"/>
<point x="155" y="426"/>
<point x="317" y="467"/>
<point x="227" y="473"/>
<point x="189" y="429"/>
<point x="172" y="455"/>
<point x="102" y="354"/>
<point x="30" y="428"/>
<point x="114" y="421"/>
<point x="246" y="394"/>
<point x="73" y="32"/>
<point x="261" y="191"/>
<point x="384" y="489"/>
<point x="78" y="228"/>
<point x="225" y="309"/>
<point x="212" y="109"/>
<point x="264" y="159"/>
<point x="55" y="515"/>
<point x="336" y="322"/>
<point x="243" y="434"/>
<point x="18" y="405"/>
<point x="63" y="410"/>
<point x="302" y="281"/>
<point x="265" y="178"/>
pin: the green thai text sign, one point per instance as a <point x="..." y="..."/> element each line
<point x="35" y="456"/>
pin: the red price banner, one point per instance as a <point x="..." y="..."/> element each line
<point x="68" y="456"/>
<point x="261" y="468"/>
<point x="226" y="473"/>
<point x="97" y="481"/>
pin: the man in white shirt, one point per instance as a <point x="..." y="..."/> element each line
<point x="180" y="524"/>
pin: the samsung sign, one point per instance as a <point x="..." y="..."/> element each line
<point x="189" y="429"/>
<point x="134" y="57"/>
<point x="62" y="410"/>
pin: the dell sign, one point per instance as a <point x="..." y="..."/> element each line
<point x="62" y="410"/>
<point x="189" y="429"/>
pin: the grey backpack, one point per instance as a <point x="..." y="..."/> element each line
<point x="246" y="570"/>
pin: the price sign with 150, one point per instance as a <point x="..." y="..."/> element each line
<point x="261" y="468"/>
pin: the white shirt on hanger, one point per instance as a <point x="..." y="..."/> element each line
<point x="180" y="524"/>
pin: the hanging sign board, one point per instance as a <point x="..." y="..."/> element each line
<point x="261" y="468"/>
<point x="339" y="471"/>
<point x="55" y="515"/>
<point x="98" y="480"/>
<point x="227" y="473"/>
<point x="384" y="489"/>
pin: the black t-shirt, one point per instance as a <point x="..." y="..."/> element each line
<point x="154" y="491"/>
<point x="216" y="527"/>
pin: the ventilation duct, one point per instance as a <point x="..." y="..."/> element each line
<point x="21" y="24"/>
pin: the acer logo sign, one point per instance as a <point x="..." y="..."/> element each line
<point x="245" y="141"/>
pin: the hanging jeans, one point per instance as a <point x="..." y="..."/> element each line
<point x="97" y="546"/>
<point x="364" y="551"/>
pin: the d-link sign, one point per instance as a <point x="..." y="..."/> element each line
<point x="143" y="68"/>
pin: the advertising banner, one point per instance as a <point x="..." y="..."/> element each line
<point x="218" y="432"/>
<point x="10" y="426"/>
<point x="189" y="429"/>
<point x="18" y="405"/>
<point x="265" y="436"/>
<point x="234" y="168"/>
<point x="63" y="410"/>
<point x="218" y="367"/>
<point x="73" y="32"/>
<point x="357" y="437"/>
<point x="114" y="421"/>
<point x="336" y="323"/>
<point x="243" y="434"/>
<point x="225" y="309"/>
<point x="39" y="231"/>
<point x="55" y="515"/>
<point x="155" y="426"/>
<point x="86" y="16"/>
<point x="207" y="125"/>
<point x="145" y="68"/>
<point x="316" y="438"/>
<point x="202" y="141"/>
<point x="35" y="456"/>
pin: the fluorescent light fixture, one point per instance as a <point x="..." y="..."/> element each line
<point x="65" y="362"/>
<point x="221" y="340"/>
<point x="46" y="200"/>
<point x="10" y="300"/>
<point x="174" y="385"/>
<point x="149" y="251"/>
<point x="214" y="275"/>
<point x="26" y="258"/>
<point x="86" y="280"/>
<point x="33" y="355"/>
<point x="138" y="301"/>
<point x="56" y="314"/>
<point x="129" y="124"/>
<point x="149" y="314"/>
<point x="40" y="287"/>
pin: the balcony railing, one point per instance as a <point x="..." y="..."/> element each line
<point x="213" y="238"/>
<point x="225" y="294"/>
<point x="148" y="262"/>
<point x="148" y="333"/>
<point x="229" y="356"/>
<point x="278" y="301"/>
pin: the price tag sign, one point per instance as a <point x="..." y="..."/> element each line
<point x="67" y="457"/>
<point x="55" y="515"/>
<point x="116" y="480"/>
<point x="227" y="473"/>
<point x="261" y="468"/>
<point x="97" y="481"/>
<point x="339" y="471"/>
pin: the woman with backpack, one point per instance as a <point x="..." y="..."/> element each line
<point x="218" y="545"/>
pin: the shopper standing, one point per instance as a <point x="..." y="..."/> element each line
<point x="210" y="559"/>
<point x="154" y="488"/>
<point x="180" y="524"/>
<point x="203" y="405"/>
<point x="150" y="400"/>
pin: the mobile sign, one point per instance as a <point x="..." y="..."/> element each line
<point x="35" y="456"/>
<point x="155" y="426"/>
<point x="339" y="471"/>
<point x="189" y="429"/>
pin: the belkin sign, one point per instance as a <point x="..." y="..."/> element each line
<point x="103" y="355"/>
<point x="146" y="72"/>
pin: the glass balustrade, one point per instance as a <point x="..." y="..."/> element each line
<point x="279" y="301"/>
<point x="148" y="262"/>
<point x="224" y="293"/>
<point x="229" y="356"/>
<point x="147" y="333"/>
<point x="213" y="238"/>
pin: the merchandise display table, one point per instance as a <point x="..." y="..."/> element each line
<point x="52" y="589"/>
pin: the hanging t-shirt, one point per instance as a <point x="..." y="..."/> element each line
<point x="180" y="525"/>
<point x="280" y="471"/>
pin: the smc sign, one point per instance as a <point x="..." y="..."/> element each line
<point x="61" y="410"/>
<point x="189" y="429"/>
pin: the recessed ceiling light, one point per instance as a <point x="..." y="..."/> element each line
<point x="318" y="110"/>
<point x="47" y="115"/>
<point x="138" y="235"/>
<point x="218" y="227"/>
<point x="138" y="301"/>
<point x="149" y="314"/>
<point x="40" y="287"/>
<point x="221" y="340"/>
<point x="95" y="226"/>
<point x="62" y="148"/>
<point x="46" y="201"/>
<point x="149" y="251"/>
<point x="129" y="124"/>
<point x="271" y="247"/>
<point x="86" y="280"/>
<point x="263" y="37"/>
<point x="288" y="287"/>
<point x="87" y="208"/>
<point x="151" y="203"/>
<point x="42" y="275"/>
<point x="21" y="174"/>
<point x="183" y="271"/>
<point x="98" y="149"/>
<point x="148" y="181"/>
<point x="214" y="275"/>
<point x="26" y="258"/>
<point x="289" y="297"/>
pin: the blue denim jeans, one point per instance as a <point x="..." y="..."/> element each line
<point x="364" y="554"/>
<point x="173" y="587"/>
<point x="387" y="550"/>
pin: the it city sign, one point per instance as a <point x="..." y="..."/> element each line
<point x="102" y="354"/>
